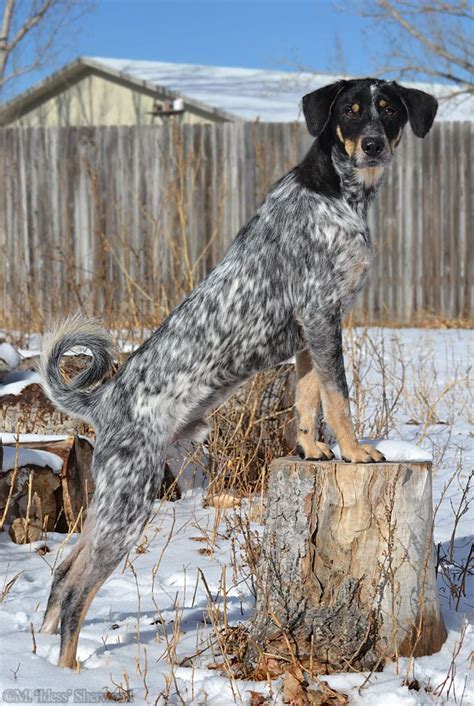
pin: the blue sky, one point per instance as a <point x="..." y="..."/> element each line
<point x="276" y="34"/>
<point x="261" y="33"/>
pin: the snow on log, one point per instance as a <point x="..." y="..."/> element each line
<point x="346" y="577"/>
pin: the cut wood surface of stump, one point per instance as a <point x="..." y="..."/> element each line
<point x="346" y="576"/>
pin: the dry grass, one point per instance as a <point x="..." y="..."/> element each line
<point x="421" y="319"/>
<point x="248" y="431"/>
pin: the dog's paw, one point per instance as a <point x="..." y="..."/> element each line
<point x="363" y="453"/>
<point x="315" y="451"/>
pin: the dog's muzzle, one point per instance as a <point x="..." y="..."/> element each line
<point x="373" y="146"/>
<point x="374" y="151"/>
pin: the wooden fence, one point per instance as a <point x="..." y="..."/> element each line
<point x="123" y="221"/>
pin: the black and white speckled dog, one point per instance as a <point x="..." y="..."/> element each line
<point x="279" y="291"/>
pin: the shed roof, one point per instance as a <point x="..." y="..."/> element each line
<point x="225" y="92"/>
<point x="273" y="96"/>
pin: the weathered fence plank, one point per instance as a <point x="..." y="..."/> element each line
<point x="124" y="221"/>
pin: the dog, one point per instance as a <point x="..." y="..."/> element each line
<point x="279" y="292"/>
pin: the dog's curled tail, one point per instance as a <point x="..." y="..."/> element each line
<point x="75" y="396"/>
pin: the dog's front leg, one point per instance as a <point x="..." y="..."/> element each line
<point x="308" y="405"/>
<point x="324" y="337"/>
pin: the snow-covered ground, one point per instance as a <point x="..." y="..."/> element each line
<point x="148" y="629"/>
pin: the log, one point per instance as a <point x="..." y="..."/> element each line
<point x="30" y="411"/>
<point x="76" y="481"/>
<point x="63" y="493"/>
<point x="30" y="528"/>
<point x="346" y="577"/>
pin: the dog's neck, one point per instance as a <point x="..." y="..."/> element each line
<point x="328" y="172"/>
<point x="358" y="186"/>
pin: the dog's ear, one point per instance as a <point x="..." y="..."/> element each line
<point x="421" y="108"/>
<point x="318" y="105"/>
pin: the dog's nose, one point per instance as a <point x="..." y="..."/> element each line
<point x="373" y="146"/>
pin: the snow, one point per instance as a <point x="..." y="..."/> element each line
<point x="26" y="457"/>
<point x="8" y="438"/>
<point x="251" y="94"/>
<point x="174" y="603"/>
<point x="28" y="352"/>
<point x="9" y="355"/>
<point x="402" y="451"/>
<point x="15" y="382"/>
<point x="144" y="623"/>
<point x="393" y="450"/>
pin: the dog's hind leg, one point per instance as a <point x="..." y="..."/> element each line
<point x="128" y="482"/>
<point x="53" y="609"/>
<point x="308" y="405"/>
<point x="91" y="568"/>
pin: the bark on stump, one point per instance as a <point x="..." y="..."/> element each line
<point x="346" y="576"/>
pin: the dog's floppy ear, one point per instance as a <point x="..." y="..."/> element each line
<point x="317" y="106"/>
<point x="421" y="108"/>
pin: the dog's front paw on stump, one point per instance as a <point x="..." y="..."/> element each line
<point x="315" y="451"/>
<point x="362" y="453"/>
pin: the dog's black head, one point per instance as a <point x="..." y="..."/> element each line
<point x="365" y="117"/>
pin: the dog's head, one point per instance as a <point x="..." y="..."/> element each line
<point x="365" y="117"/>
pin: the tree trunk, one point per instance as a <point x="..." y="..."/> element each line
<point x="346" y="575"/>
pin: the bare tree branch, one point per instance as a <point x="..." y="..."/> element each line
<point x="435" y="48"/>
<point x="30" y="23"/>
<point x="425" y="39"/>
<point x="33" y="28"/>
<point x="6" y="24"/>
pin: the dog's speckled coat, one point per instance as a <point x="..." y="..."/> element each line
<point x="279" y="291"/>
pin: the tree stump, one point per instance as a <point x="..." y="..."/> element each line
<point x="346" y="576"/>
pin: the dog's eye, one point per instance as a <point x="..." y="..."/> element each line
<point x="352" y="110"/>
<point x="389" y="111"/>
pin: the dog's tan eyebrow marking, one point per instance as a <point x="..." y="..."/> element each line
<point x="355" y="107"/>
<point x="382" y="103"/>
